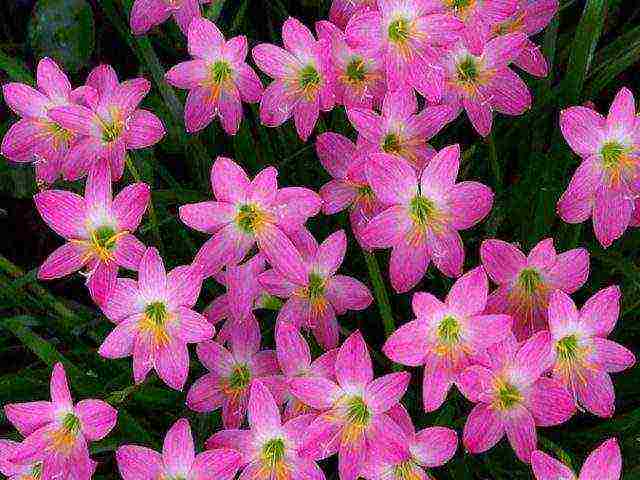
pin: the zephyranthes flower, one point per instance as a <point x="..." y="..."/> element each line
<point x="146" y="14"/>
<point x="17" y="470"/>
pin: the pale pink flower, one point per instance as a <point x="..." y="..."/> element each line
<point x="341" y="11"/>
<point x="355" y="409"/>
<point x="232" y="372"/>
<point x="303" y="84"/>
<point x="155" y="320"/>
<point x="400" y="129"/>
<point x="178" y="459"/>
<point x="58" y="432"/>
<point x="607" y="181"/>
<point x="423" y="215"/>
<point x="583" y="355"/>
<point x="407" y="33"/>
<point x="146" y="14"/>
<point x="483" y="83"/>
<point x="270" y="449"/>
<point x="97" y="229"/>
<point x="249" y="212"/>
<point x="110" y="124"/>
<point x="525" y="282"/>
<point x="513" y="397"/>
<point x="604" y="463"/>
<point x="314" y="300"/>
<point x="445" y="337"/>
<point x="36" y="137"/>
<point x="218" y="78"/>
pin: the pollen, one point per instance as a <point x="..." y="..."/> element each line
<point x="250" y="218"/>
<point x="274" y="466"/>
<point x="101" y="243"/>
<point x="238" y="381"/>
<point x="507" y="396"/>
<point x="399" y="30"/>
<point x="112" y="130"/>
<point x="391" y="144"/>
<point x="529" y="281"/>
<point x="63" y="439"/>
<point x="154" y="322"/>
<point x="309" y="81"/>
<point x="423" y="211"/>
<point x="356" y="72"/>
<point x="406" y="471"/>
<point x="449" y="330"/>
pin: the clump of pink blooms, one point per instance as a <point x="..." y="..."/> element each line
<point x="523" y="355"/>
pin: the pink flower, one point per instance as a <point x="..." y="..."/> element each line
<point x="399" y="130"/>
<point x="445" y="337"/>
<point x="428" y="448"/>
<point x="270" y="449"/>
<point x="583" y="355"/>
<point x="341" y="11"/>
<point x="608" y="179"/>
<point x="407" y="33"/>
<point x="315" y="299"/>
<point x="155" y="320"/>
<point x="354" y="418"/>
<point x="178" y="459"/>
<point x="483" y="83"/>
<point x="217" y="78"/>
<point x="513" y="396"/>
<point x="36" y="137"/>
<point x="604" y="463"/>
<point x="302" y="83"/>
<point x="97" y="229"/>
<point x="525" y="282"/>
<point x="423" y="215"/>
<point x="294" y="358"/>
<point x="146" y="14"/>
<point x="231" y="374"/>
<point x="246" y="212"/>
<point x="14" y="470"/>
<point x="109" y="125"/>
<point x="58" y="432"/>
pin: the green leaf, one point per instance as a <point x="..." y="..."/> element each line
<point x="15" y="69"/>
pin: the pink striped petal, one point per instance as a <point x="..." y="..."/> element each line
<point x="521" y="432"/>
<point x="97" y="418"/>
<point x="274" y="61"/>
<point x="434" y="446"/>
<point x="25" y="100"/>
<point x="146" y="14"/>
<point x="580" y="127"/>
<point x="30" y="416"/>
<point x="408" y="344"/>
<point x="207" y="217"/>
<point x="199" y="110"/>
<point x="316" y="392"/>
<point x="152" y="277"/>
<point x="483" y="429"/>
<point x="143" y="130"/>
<point x="219" y="464"/>
<point x="138" y="463"/>
<point x="65" y="260"/>
<point x="193" y="327"/>
<point x="353" y="363"/>
<point x="611" y="356"/>
<point x="205" y="39"/>
<point x="63" y="211"/>
<point x="548" y="468"/>
<point x="249" y="84"/>
<point x="229" y="181"/>
<point x="263" y="412"/>
<point x="187" y="75"/>
<point x="468" y="295"/>
<point x="502" y="260"/>
<point x="215" y="357"/>
<point x="172" y="363"/>
<point x="292" y="350"/>
<point x="407" y="265"/>
<point x="384" y="392"/>
<point x="178" y="452"/>
<point x="119" y="343"/>
<point x="129" y="251"/>
<point x="550" y="403"/>
<point x="21" y="139"/>
<point x="469" y="203"/>
<point x="392" y="179"/>
<point x="577" y="202"/>
<point x="604" y="463"/>
<point x="205" y="395"/>
<point x="123" y="300"/>
<point x="600" y="312"/>
<point x="346" y="293"/>
<point x="596" y="393"/>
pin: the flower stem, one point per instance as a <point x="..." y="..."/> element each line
<point x="380" y="292"/>
<point x="495" y="165"/>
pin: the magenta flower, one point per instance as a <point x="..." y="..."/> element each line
<point x="428" y="448"/>
<point x="341" y="11"/>
<point x="146" y="14"/>
<point x="604" y="463"/>
<point x="303" y="83"/>
<point x="525" y="282"/>
<point x="407" y="33"/>
<point x="424" y="213"/>
<point x="445" y="337"/>
<point x="246" y="212"/>
<point x="608" y="179"/>
<point x="155" y="320"/>
<point x="58" y="432"/>
<point x="294" y="359"/>
<point x="178" y="459"/>
<point x="513" y="396"/>
<point x="483" y="83"/>
<point x="218" y="78"/>
<point x="17" y="471"/>
<point x="355" y="409"/>
<point x="109" y="125"/>
<point x="36" y="137"/>
<point x="97" y="229"/>
<point x="270" y="449"/>
<point x="231" y="374"/>
<point x="583" y="355"/>
<point x="399" y="130"/>
<point x="314" y="300"/>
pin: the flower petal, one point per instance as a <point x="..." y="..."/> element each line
<point x="97" y="418"/>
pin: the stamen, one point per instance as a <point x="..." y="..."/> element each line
<point x="356" y="72"/>
<point x="309" y="81"/>
<point x="508" y="396"/>
<point x="399" y="30"/>
<point x="449" y="330"/>
<point x="238" y="382"/>
<point x="391" y="144"/>
<point x="250" y="218"/>
<point x="423" y="211"/>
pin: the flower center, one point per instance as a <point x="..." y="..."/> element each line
<point x="356" y="72"/>
<point x="61" y="136"/>
<point x="309" y="80"/>
<point x="405" y="471"/>
<point x="422" y="210"/>
<point x="358" y="413"/>
<point x="315" y="289"/>
<point x="468" y="71"/>
<point x="274" y="465"/>
<point x="102" y="242"/>
<point x="220" y="71"/>
<point x="273" y="451"/>
<point x="240" y="378"/>
<point x="459" y="4"/>
<point x="36" y="472"/>
<point x="111" y="130"/>
<point x="156" y="312"/>
<point x="529" y="281"/>
<point x="391" y="144"/>
<point x="250" y="218"/>
<point x="64" y="438"/>
<point x="399" y="30"/>
<point x="567" y="349"/>
<point x="449" y="330"/>
<point x="508" y="396"/>
<point x="154" y="323"/>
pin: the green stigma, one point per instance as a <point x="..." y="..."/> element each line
<point x="156" y="312"/>
<point x="508" y="396"/>
<point x="358" y="412"/>
<point x="612" y="153"/>
<point x="356" y="72"/>
<point x="391" y="143"/>
<point x="567" y="348"/>
<point x="240" y="377"/>
<point x="468" y="70"/>
<point x="71" y="423"/>
<point x="422" y="210"/>
<point x="449" y="330"/>
<point x="309" y="78"/>
<point x="399" y="30"/>
<point x="247" y="218"/>
<point x="103" y="235"/>
<point x="316" y="286"/>
<point x="111" y="131"/>
<point x="365" y="191"/>
<point x="273" y="452"/>
<point x="220" y="71"/>
<point x="405" y="471"/>
<point x="458" y="4"/>
<point x="529" y="281"/>
<point x="36" y="471"/>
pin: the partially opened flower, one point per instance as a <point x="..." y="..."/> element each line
<point x="302" y="83"/>
<point x="109" y="125"/>
<point x="407" y="33"/>
<point x="270" y="449"/>
<point x="36" y="137"/>
<point x="525" y="282"/>
<point x="146" y="14"/>
<point x="249" y="212"/>
<point x="231" y="373"/>
<point x="608" y="179"/>
<point x="313" y="301"/>
<point x="178" y="459"/>
<point x="354" y="418"/>
<point x="341" y="11"/>
<point x="445" y="337"/>
<point x="483" y="83"/>
<point x="17" y="470"/>
<point x="58" y="432"/>
<point x="513" y="397"/>
<point x="583" y="355"/>
<point x="604" y="463"/>
<point x="423" y="215"/>
<point x="97" y="229"/>
<point x="218" y="78"/>
<point x="155" y="320"/>
<point x="400" y="129"/>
